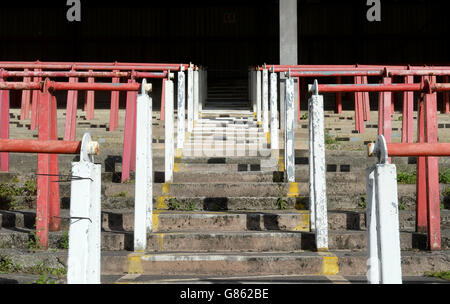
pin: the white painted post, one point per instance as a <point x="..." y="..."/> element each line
<point x="274" y="142"/>
<point x="143" y="202"/>
<point x="196" y="95"/>
<point x="385" y="198"/>
<point x="258" y="96"/>
<point x="317" y="169"/>
<point x="181" y="94"/>
<point x="388" y="224"/>
<point x="312" y="199"/>
<point x="200" y="91"/>
<point x="169" y="155"/>
<point x="289" y="144"/>
<point x="85" y="218"/>
<point x="373" y="273"/>
<point x="253" y="90"/>
<point x="265" y="100"/>
<point x="190" y="99"/>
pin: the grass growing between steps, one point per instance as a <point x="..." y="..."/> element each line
<point x="445" y="275"/>
<point x="47" y="275"/>
<point x="9" y="192"/>
<point x="411" y="177"/>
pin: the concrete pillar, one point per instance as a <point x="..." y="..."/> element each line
<point x="169" y="132"/>
<point x="181" y="94"/>
<point x="190" y="99"/>
<point x="274" y="143"/>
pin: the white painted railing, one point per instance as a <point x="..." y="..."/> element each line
<point x="317" y="170"/>
<point x="383" y="236"/>
<point x="143" y="203"/>
<point x="83" y="265"/>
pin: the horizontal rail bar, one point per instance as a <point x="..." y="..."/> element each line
<point x="418" y="149"/>
<point x="40" y="146"/>
<point x="336" y="73"/>
<point x="92" y="67"/>
<point x="380" y="87"/>
<point x="5" y="74"/>
<point x="62" y="86"/>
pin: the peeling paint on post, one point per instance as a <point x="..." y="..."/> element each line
<point x="258" y="96"/>
<point x="317" y="171"/>
<point x="190" y="99"/>
<point x="169" y="132"/>
<point x="181" y="94"/>
<point x="265" y="100"/>
<point x="85" y="221"/>
<point x="143" y="208"/>
<point x="289" y="131"/>
<point x="388" y="224"/>
<point x="196" y="94"/>
<point x="373" y="272"/>
<point x="274" y="142"/>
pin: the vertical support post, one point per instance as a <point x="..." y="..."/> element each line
<point x="55" y="203"/>
<point x="114" y="115"/>
<point x="90" y="100"/>
<point x="274" y="142"/>
<point x="43" y="170"/>
<point x="34" y="103"/>
<point x="359" y="115"/>
<point x="384" y="112"/>
<point x="130" y="120"/>
<point x="339" y="97"/>
<point x="25" y="105"/>
<point x="71" y="113"/>
<point x="253" y="91"/>
<point x="181" y="97"/>
<point x="366" y="101"/>
<point x="318" y="171"/>
<point x="162" y="112"/>
<point x="85" y="223"/>
<point x="373" y="266"/>
<point x="289" y="144"/>
<point x="4" y="126"/>
<point x="421" y="187"/>
<point x="408" y="112"/>
<point x="265" y="102"/>
<point x="196" y="94"/>
<point x="258" y="97"/>
<point x="169" y="132"/>
<point x="432" y="172"/>
<point x="190" y="99"/>
<point x="388" y="236"/>
<point x="144" y="177"/>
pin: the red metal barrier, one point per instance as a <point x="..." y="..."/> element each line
<point x="4" y="126"/>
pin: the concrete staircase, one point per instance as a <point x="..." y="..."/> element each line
<point x="228" y="211"/>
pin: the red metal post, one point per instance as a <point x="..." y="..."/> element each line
<point x="4" y="126"/>
<point x="432" y="173"/>
<point x="43" y="171"/>
<point x="408" y="112"/>
<point x="339" y="97"/>
<point x="90" y="95"/>
<point x="71" y="112"/>
<point x="130" y="119"/>
<point x="25" y="105"/>
<point x="421" y="187"/>
<point x="384" y="112"/>
<point x="393" y="99"/>
<point x="366" y="100"/>
<point x="446" y="98"/>
<point x="114" y="115"/>
<point x="55" y="206"/>
<point x="34" y="104"/>
<point x="359" y="119"/>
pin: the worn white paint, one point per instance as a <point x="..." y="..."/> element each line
<point x="373" y="273"/>
<point x="196" y="94"/>
<point x="258" y="96"/>
<point x="265" y="100"/>
<point x="318" y="171"/>
<point x="274" y="142"/>
<point x="169" y="151"/>
<point x="388" y="224"/>
<point x="143" y="202"/>
<point x="385" y="214"/>
<point x="289" y="145"/>
<point x="85" y="219"/>
<point x="181" y="97"/>
<point x="190" y="99"/>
